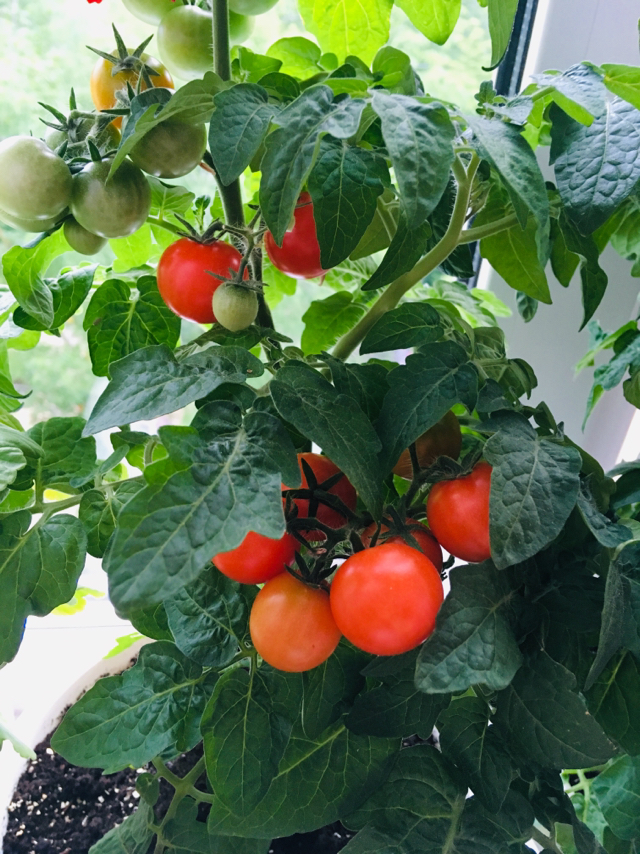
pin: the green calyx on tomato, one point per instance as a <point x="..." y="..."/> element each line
<point x="110" y="207"/>
<point x="458" y="514"/>
<point x="257" y="558"/>
<point x="35" y="184"/>
<point x="411" y="532"/>
<point x="81" y="240"/>
<point x="76" y="129"/>
<point x="189" y="272"/>
<point x="235" y="307"/>
<point x="320" y="475"/>
<point x="385" y="599"/>
<point x="444" y="439"/>
<point x="171" y="149"/>
<point x="299" y="255"/>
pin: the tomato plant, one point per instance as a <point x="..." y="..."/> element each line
<point x="291" y="625"/>
<point x="171" y="149"/>
<point x="458" y="514"/>
<point x="257" y="558"/>
<point x="385" y="599"/>
<point x="427" y="543"/>
<point x="188" y="274"/>
<point x="443" y="439"/>
<point x="110" y="207"/>
<point x="35" y="184"/>
<point x="299" y="252"/>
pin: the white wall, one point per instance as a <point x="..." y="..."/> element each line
<point x="566" y="32"/>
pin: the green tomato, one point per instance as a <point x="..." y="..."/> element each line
<point x="113" y="208"/>
<point x="78" y="131"/>
<point x="251" y="7"/>
<point x="83" y="241"/>
<point x="185" y="40"/>
<point x="35" y="184"/>
<point x="234" y="307"/>
<point x="151" y="11"/>
<point x="31" y="224"/>
<point x="171" y="149"/>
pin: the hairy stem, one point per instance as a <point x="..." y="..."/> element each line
<point x="470" y="235"/>
<point x="162" y="223"/>
<point x="396" y="290"/>
<point x="544" y="840"/>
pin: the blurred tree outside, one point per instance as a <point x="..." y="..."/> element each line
<point x="44" y="54"/>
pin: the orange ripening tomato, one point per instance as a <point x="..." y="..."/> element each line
<point x="257" y="558"/>
<point x="291" y="624"/>
<point x="324" y="469"/>
<point x="444" y="439"/>
<point x="458" y="514"/>
<point x="385" y="599"/>
<point x="429" y="546"/>
<point x="103" y="85"/>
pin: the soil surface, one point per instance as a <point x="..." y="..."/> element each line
<point x="61" y="809"/>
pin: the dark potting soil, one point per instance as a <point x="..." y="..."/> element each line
<point x="61" y="809"/>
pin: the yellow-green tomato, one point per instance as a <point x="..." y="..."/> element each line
<point x="151" y="11"/>
<point x="251" y="7"/>
<point x="83" y="241"/>
<point x="234" y="307"/>
<point x="36" y="225"/>
<point x="171" y="149"/>
<point x="35" y="184"/>
<point x="110" y="207"/>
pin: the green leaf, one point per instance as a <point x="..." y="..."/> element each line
<point x="613" y="701"/>
<point x="380" y="232"/>
<point x="19" y="746"/>
<point x="615" y="618"/>
<point x="436" y="19"/>
<point x="405" y="250"/>
<point x="170" y="530"/>
<point x="208" y="618"/>
<point x="614" y="845"/>
<point x="39" y="570"/>
<point x="467" y="739"/>
<point x="291" y="148"/>
<point x="460" y="262"/>
<point x="513" y="253"/>
<point x="136" y="250"/>
<point x="299" y="56"/>
<point x="395" y="65"/>
<point x="191" y="103"/>
<point x="23" y="269"/>
<point x="607" y="533"/>
<point x="419" y="139"/>
<point x="344" y="183"/>
<point x="411" y="324"/>
<point x="15" y="448"/>
<point x="244" y="740"/>
<point x="151" y="382"/>
<point x="318" y="781"/>
<point x="617" y="791"/>
<point x="151" y="622"/>
<point x="168" y="198"/>
<point x="68" y="292"/>
<point x="396" y="708"/>
<point x="510" y="155"/>
<point x="99" y="511"/>
<point x="473" y="642"/>
<point x="186" y="835"/>
<point x="120" y="320"/>
<point x="67" y="455"/>
<point x="335" y="423"/>
<point x="502" y="14"/>
<point x="596" y="167"/>
<point x="326" y="320"/>
<point x="534" y="488"/>
<point x="593" y="278"/>
<point x="579" y="91"/>
<point x="623" y="81"/>
<point x="237" y="128"/>
<point x="346" y="28"/>
<point x="330" y="689"/>
<point x="367" y="384"/>
<point x="420" y="393"/>
<point x="133" y="836"/>
<point x="128" y="719"/>
<point x="546" y="721"/>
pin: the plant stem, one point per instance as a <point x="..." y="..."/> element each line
<point x="396" y="290"/>
<point x="230" y="195"/>
<point x="470" y="235"/>
<point x="183" y="787"/>
<point x="544" y="840"/>
<point x="161" y="223"/>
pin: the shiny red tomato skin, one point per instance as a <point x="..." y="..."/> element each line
<point x="184" y="279"/>
<point x="458" y="514"/>
<point x="257" y="558"/>
<point x="291" y="624"/>
<point x="429" y="546"/>
<point x="323" y="469"/>
<point x="299" y="255"/>
<point x="385" y="599"/>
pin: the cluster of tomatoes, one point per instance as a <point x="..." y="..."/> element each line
<point x="384" y="598"/>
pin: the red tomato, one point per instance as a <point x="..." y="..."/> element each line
<point x="257" y="558"/>
<point x="184" y="276"/>
<point x="323" y="469"/>
<point x="385" y="599"/>
<point x="458" y="514"/>
<point x="291" y="624"/>
<point x="299" y="254"/>
<point x="428" y="544"/>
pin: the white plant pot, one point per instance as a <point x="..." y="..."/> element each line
<point x="35" y="725"/>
